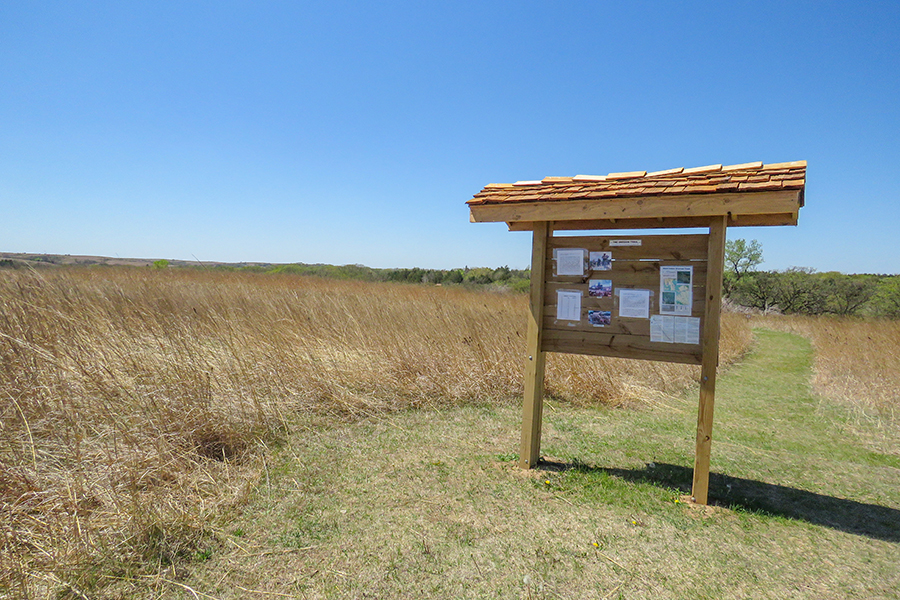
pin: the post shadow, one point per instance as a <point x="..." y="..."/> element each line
<point x="850" y="516"/>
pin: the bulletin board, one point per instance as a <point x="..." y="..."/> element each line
<point x="626" y="296"/>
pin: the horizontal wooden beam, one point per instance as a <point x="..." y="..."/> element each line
<point x="642" y="207"/>
<point x="620" y="346"/>
<point x="659" y="247"/>
<point x="662" y="223"/>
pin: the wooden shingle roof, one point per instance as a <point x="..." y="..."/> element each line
<point x="750" y="193"/>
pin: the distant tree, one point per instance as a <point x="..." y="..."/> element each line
<point x="847" y="294"/>
<point x="886" y="301"/>
<point x="454" y="276"/>
<point x="757" y="290"/>
<point x="501" y="273"/>
<point x="160" y="264"/>
<point x="741" y="257"/>
<point x="800" y="291"/>
<point x="479" y="275"/>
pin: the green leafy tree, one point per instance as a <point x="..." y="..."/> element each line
<point x="887" y="297"/>
<point x="454" y="276"/>
<point x="800" y="291"/>
<point x="848" y="294"/>
<point x="757" y="290"/>
<point x="741" y="257"/>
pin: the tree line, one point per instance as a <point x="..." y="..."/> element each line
<point x="499" y="278"/>
<point x="801" y="290"/>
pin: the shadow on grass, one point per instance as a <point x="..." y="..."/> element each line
<point x="870" y="520"/>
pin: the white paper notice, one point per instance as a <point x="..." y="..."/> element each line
<point x="674" y="330"/>
<point x="568" y="305"/>
<point x="624" y="242"/>
<point x="634" y="303"/>
<point x="691" y="331"/>
<point x="662" y="329"/>
<point x="570" y="261"/>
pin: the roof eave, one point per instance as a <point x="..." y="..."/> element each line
<point x="644" y="208"/>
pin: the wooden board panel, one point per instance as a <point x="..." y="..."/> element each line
<point x="637" y="274"/>
<point x="660" y="247"/>
<point x="624" y="325"/>
<point x="624" y="337"/>
<point x="621" y="346"/>
<point x="699" y="293"/>
<point x="618" y="326"/>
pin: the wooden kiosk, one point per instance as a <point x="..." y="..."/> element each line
<point x="651" y="297"/>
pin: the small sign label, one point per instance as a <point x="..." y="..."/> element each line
<point x="624" y="242"/>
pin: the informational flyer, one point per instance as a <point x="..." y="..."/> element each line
<point x="675" y="330"/>
<point x="662" y="329"/>
<point x="676" y="290"/>
<point x="634" y="303"/>
<point x="570" y="261"/>
<point x="601" y="261"/>
<point x="568" y="305"/>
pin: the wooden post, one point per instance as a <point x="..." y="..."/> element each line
<point x="715" y="272"/>
<point x="533" y="401"/>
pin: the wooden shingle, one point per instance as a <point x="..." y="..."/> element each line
<point x="760" y="194"/>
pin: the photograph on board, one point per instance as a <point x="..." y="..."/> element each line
<point x="600" y="288"/>
<point x="599" y="318"/>
<point x="601" y="261"/>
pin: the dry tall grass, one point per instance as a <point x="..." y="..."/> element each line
<point x="857" y="361"/>
<point x="139" y="404"/>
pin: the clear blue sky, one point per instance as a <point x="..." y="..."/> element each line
<point x="354" y="132"/>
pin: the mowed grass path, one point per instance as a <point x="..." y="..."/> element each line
<point x="429" y="504"/>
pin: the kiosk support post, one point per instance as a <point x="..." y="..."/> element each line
<point x="533" y="401"/>
<point x="710" y="341"/>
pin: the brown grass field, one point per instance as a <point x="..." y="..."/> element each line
<point x="140" y="405"/>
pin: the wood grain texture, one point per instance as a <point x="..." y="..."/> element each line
<point x="710" y="360"/>
<point x="738" y="220"/>
<point x="532" y="403"/>
<point x="621" y="346"/>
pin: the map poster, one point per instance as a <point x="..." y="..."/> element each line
<point x="676" y="290"/>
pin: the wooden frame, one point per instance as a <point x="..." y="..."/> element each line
<point x="766" y="195"/>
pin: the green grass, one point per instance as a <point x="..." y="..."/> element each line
<point x="430" y="504"/>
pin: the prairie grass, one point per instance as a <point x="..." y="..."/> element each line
<point x="139" y="405"/>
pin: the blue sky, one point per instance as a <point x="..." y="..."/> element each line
<point x="350" y="132"/>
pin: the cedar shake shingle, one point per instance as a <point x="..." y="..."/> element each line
<point x="753" y="176"/>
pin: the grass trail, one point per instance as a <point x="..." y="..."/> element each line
<point x="429" y="504"/>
